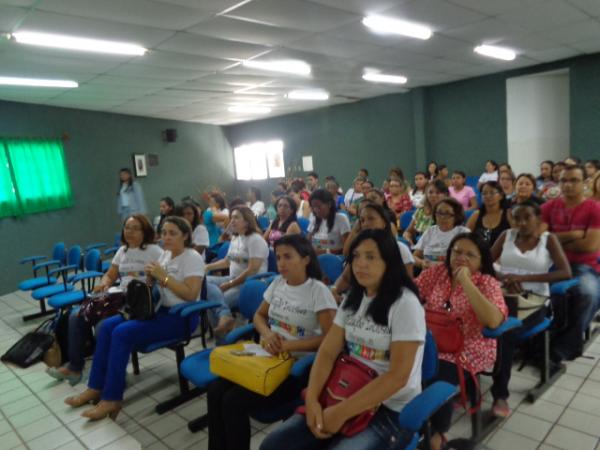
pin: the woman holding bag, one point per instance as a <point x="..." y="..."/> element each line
<point x="463" y="288"/>
<point x="297" y="311"/>
<point x="178" y="272"/>
<point x="382" y="325"/>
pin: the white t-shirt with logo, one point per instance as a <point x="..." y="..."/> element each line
<point x="293" y="309"/>
<point x="242" y="248"/>
<point x="434" y="242"/>
<point x="331" y="240"/>
<point x="188" y="264"/>
<point x="370" y="342"/>
<point x="131" y="262"/>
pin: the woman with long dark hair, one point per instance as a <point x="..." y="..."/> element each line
<point x="285" y="222"/>
<point x="382" y="325"/>
<point x="328" y="229"/>
<point x="297" y="311"/>
<point x="492" y="218"/>
<point x="130" y="197"/>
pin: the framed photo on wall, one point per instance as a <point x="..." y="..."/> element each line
<point x="140" y="165"/>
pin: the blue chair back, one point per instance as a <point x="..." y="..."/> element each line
<point x="223" y="249"/>
<point x="59" y="253"/>
<point x="429" y="367"/>
<point x="263" y="222"/>
<point x="303" y="222"/>
<point x="74" y="256"/>
<point x="472" y="181"/>
<point x="251" y="296"/>
<point x="405" y="219"/>
<point x="118" y="239"/>
<point x="272" y="267"/>
<point x="331" y="265"/>
<point x="92" y="260"/>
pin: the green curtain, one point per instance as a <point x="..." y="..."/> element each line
<point x="40" y="175"/>
<point x="9" y="206"/>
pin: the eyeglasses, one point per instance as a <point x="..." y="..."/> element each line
<point x="133" y="228"/>
<point x="570" y="181"/>
<point x="469" y="255"/>
<point x="489" y="194"/>
<point x="444" y="214"/>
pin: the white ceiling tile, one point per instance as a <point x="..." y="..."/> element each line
<point x="585" y="30"/>
<point x="110" y="80"/>
<point x="214" y="6"/>
<point x="142" y="71"/>
<point x="494" y="7"/>
<point x="487" y="31"/>
<point x="294" y="14"/>
<point x="591" y="46"/>
<point x="166" y="59"/>
<point x="10" y="17"/>
<point x="138" y="12"/>
<point x="328" y="45"/>
<point x="524" y="44"/>
<point x="437" y="14"/>
<point x="591" y="7"/>
<point x="23" y="3"/>
<point x="553" y="54"/>
<point x="546" y="15"/>
<point x="227" y="28"/>
<point x="95" y="29"/>
<point x="437" y="46"/>
<point x="363" y="7"/>
<point x="206" y="46"/>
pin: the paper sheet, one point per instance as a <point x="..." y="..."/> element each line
<point x="307" y="163"/>
<point x="257" y="350"/>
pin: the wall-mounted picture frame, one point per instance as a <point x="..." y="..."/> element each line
<point x="140" y="165"/>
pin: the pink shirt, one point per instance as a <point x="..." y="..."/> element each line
<point x="584" y="216"/>
<point x="463" y="196"/>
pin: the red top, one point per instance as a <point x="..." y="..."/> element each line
<point x="584" y="216"/>
<point x="403" y="204"/>
<point x="435" y="288"/>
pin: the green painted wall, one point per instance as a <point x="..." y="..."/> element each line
<point x="99" y="145"/>
<point x="585" y="107"/>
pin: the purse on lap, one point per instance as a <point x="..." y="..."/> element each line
<point x="139" y="304"/>
<point x="97" y="307"/>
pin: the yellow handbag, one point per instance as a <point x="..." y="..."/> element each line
<point x="258" y="374"/>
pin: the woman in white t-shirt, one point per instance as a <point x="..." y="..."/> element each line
<point x="381" y="324"/>
<point x="490" y="174"/>
<point x="254" y="202"/>
<point x="297" y="311"/>
<point x="248" y="255"/>
<point x="432" y="247"/>
<point x="178" y="272"/>
<point x="328" y="229"/>
<point x="127" y="264"/>
<point x="200" y="239"/>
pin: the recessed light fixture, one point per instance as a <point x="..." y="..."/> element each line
<point x="291" y="66"/>
<point x="377" y="77"/>
<point x="492" y="51"/>
<point x="249" y="109"/>
<point x="388" y="25"/>
<point x="308" y="94"/>
<point x="78" y="43"/>
<point x="37" y="82"/>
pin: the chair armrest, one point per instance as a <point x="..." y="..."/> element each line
<point x="509" y="324"/>
<point x="52" y="262"/>
<point x="64" y="269"/>
<point x="303" y="365"/>
<point x="239" y="333"/>
<point x="86" y="276"/>
<point x="561" y="287"/>
<point x="414" y="415"/>
<point x="196" y="308"/>
<point x="95" y="245"/>
<point x="262" y="276"/>
<point x="111" y="250"/>
<point x="32" y="259"/>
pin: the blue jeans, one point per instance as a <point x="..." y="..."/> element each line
<point x="118" y="338"/>
<point x="382" y="433"/>
<point x="79" y="330"/>
<point x="589" y="289"/>
<point x="231" y="299"/>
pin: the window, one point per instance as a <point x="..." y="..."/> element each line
<point x="33" y="177"/>
<point x="259" y="161"/>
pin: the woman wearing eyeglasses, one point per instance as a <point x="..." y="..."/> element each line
<point x="491" y="219"/>
<point x="465" y="286"/>
<point x="448" y="216"/>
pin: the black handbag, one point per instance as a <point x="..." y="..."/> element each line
<point x="138" y="302"/>
<point x="31" y="348"/>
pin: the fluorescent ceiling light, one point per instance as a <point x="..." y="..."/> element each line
<point x="377" y="77"/>
<point x="292" y="66"/>
<point x="505" y="54"/>
<point x="387" y="25"/>
<point x="37" y="82"/>
<point x="312" y="94"/>
<point x="249" y="109"/>
<point x="77" y="43"/>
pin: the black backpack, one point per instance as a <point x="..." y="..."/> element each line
<point x="31" y="348"/>
<point x="138" y="302"/>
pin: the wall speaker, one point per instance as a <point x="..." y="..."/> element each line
<point x="170" y="135"/>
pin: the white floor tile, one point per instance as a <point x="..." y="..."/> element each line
<point x="4" y="427"/>
<point x="14" y="395"/>
<point x="586" y="403"/>
<point x="28" y="416"/>
<point x="10" y="440"/>
<point x="542" y="409"/>
<point x="578" y="369"/>
<point x="38" y="428"/>
<point x="590" y="387"/>
<point x="158" y="446"/>
<point x="124" y="443"/>
<point x="558" y="395"/>
<point x="144" y="437"/>
<point x="505" y="440"/>
<point x="52" y="440"/>
<point x="529" y="426"/>
<point x="183" y="438"/>
<point x="570" y="382"/>
<point x="167" y="424"/>
<point x="568" y="439"/>
<point x="102" y="436"/>
<point x="580" y="421"/>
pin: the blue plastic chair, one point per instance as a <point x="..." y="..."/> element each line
<point x="332" y="266"/>
<point x="59" y="257"/>
<point x="223" y="249"/>
<point x="272" y="262"/>
<point x="263" y="222"/>
<point x="405" y="219"/>
<point x="303" y="222"/>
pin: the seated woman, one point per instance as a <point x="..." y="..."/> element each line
<point x="328" y="229"/>
<point x="417" y="193"/>
<point x="525" y="189"/>
<point x="490" y="174"/>
<point x="545" y="175"/>
<point x="285" y="222"/>
<point x="216" y="216"/>
<point x="506" y="179"/>
<point x="166" y="207"/>
<point x="525" y="256"/>
<point x="200" y="239"/>
<point x="378" y="197"/>
<point x="399" y="199"/>
<point x="492" y="218"/>
<point x="178" y="272"/>
<point x="433" y="245"/>
<point x="465" y="287"/>
<point x="248" y="255"/>
<point x="297" y="311"/>
<point x="127" y="264"/>
<point x="423" y="217"/>
<point x="382" y="325"/>
<point x="465" y="195"/>
<point x="295" y="191"/>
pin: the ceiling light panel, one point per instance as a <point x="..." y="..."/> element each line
<point x="77" y="43"/>
<point x="505" y="54"/>
<point x="37" y="82"/>
<point x="389" y="25"/>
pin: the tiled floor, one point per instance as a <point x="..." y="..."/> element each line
<point x="33" y="415"/>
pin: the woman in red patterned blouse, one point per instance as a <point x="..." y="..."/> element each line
<point x="399" y="198"/>
<point x="466" y="287"/>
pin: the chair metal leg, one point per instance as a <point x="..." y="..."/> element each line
<point x="135" y="363"/>
<point x="43" y="312"/>
<point x="198" y="424"/>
